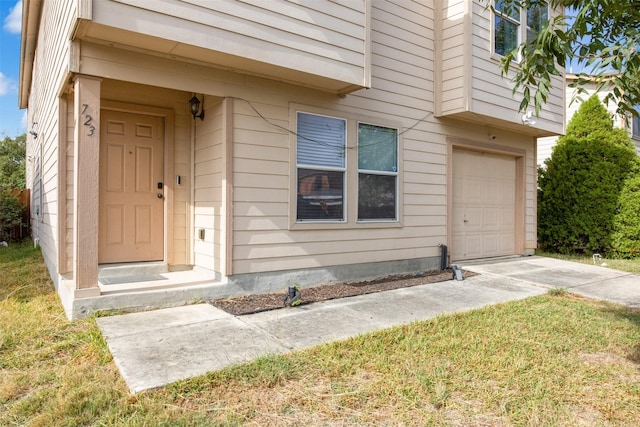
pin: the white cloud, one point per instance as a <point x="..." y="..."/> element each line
<point x="13" y="22"/>
<point x="23" y="120"/>
<point x="5" y="84"/>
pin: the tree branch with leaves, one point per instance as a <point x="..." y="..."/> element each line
<point x="599" y="37"/>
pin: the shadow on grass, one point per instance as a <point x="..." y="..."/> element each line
<point x="23" y="274"/>
<point x="632" y="316"/>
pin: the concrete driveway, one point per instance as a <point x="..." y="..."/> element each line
<point x="591" y="281"/>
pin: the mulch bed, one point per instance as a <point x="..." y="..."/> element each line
<point x="247" y="304"/>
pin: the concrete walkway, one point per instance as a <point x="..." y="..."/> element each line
<point x="155" y="348"/>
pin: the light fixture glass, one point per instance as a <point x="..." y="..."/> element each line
<point x="194" y="104"/>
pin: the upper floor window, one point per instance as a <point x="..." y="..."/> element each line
<point x="512" y="25"/>
<point x="635" y="127"/>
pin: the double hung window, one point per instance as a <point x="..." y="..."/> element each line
<point x="512" y="25"/>
<point x="377" y="172"/>
<point x="321" y="166"/>
<point x="324" y="159"/>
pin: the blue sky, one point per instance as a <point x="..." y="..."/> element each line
<point x="12" y="119"/>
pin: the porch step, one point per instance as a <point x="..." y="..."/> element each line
<point x="112" y="271"/>
<point x="132" y="283"/>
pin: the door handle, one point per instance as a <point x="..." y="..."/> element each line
<point x="159" y="195"/>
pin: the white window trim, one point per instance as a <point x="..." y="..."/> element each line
<point x="386" y="173"/>
<point x="343" y="169"/>
<point x="635" y="130"/>
<point x="522" y="30"/>
<point x="351" y="174"/>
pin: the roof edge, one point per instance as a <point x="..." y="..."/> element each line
<point x="31" y="12"/>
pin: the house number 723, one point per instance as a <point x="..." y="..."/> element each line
<point x="87" y="120"/>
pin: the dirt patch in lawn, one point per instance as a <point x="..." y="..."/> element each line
<point x="247" y="304"/>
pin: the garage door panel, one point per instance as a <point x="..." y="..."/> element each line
<point x="473" y="244"/>
<point x="473" y="193"/>
<point x="506" y="244"/>
<point x="472" y="218"/>
<point x="490" y="219"/>
<point x="507" y="193"/>
<point x="483" y="210"/>
<point x="489" y="244"/>
<point x="492" y="196"/>
<point x="507" y="219"/>
<point x="458" y="217"/>
<point x="458" y="190"/>
<point x="457" y="242"/>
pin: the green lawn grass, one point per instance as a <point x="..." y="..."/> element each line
<point x="555" y="360"/>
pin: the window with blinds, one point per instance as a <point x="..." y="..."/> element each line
<point x="321" y="165"/>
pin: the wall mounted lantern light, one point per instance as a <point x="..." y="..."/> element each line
<point x="194" y="104"/>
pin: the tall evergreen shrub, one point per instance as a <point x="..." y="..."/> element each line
<point x="579" y="187"/>
<point x="626" y="223"/>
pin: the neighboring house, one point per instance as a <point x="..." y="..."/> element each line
<point x="340" y="140"/>
<point x="631" y="124"/>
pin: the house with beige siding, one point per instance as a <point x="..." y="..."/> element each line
<point x="187" y="150"/>
<point x="573" y="101"/>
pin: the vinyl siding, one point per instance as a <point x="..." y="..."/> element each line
<point x="262" y="240"/>
<point x="207" y="202"/>
<point x="49" y="77"/>
<point x="492" y="92"/>
<point x="259" y="159"/>
<point x="469" y="82"/>
<point x="452" y="71"/>
<point x="328" y="38"/>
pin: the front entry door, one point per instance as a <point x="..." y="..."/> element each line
<point x="131" y="220"/>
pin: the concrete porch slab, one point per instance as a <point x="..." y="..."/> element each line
<point x="155" y="348"/>
<point x="158" y="347"/>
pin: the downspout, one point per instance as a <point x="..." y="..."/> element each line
<point x="444" y="262"/>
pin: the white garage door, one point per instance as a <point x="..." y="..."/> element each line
<point x="484" y="196"/>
